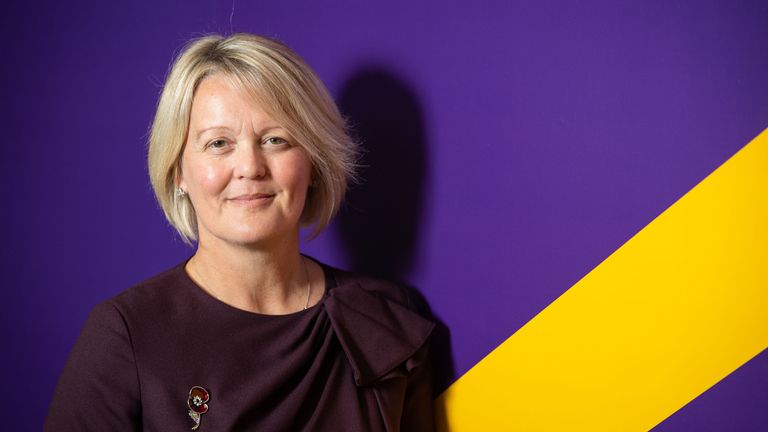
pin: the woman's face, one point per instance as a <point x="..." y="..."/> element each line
<point x="245" y="176"/>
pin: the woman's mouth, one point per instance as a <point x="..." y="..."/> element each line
<point x="253" y="200"/>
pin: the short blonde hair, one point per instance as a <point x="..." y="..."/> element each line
<point x="290" y="92"/>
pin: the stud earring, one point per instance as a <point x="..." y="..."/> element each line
<point x="181" y="193"/>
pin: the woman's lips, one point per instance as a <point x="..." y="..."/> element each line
<point x="253" y="200"/>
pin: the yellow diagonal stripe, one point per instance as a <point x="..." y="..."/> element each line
<point x="674" y="310"/>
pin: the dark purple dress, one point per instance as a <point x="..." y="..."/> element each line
<point x="356" y="361"/>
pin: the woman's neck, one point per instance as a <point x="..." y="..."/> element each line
<point x="271" y="280"/>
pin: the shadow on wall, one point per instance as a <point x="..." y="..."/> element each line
<point x="379" y="222"/>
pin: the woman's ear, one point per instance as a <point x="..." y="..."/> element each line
<point x="178" y="180"/>
<point x="313" y="181"/>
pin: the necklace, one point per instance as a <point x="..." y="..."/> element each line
<point x="309" y="282"/>
<point x="306" y="276"/>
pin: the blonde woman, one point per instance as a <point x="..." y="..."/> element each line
<point x="246" y="147"/>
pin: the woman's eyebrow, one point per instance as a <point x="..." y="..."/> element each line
<point x="270" y="128"/>
<point x="209" y="128"/>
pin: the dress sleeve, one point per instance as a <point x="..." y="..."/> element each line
<point x="418" y="407"/>
<point x="99" y="387"/>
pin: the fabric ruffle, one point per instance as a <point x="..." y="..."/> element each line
<point x="376" y="332"/>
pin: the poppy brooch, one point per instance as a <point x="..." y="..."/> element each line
<point x="198" y="404"/>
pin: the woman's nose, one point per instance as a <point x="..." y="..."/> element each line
<point x="250" y="162"/>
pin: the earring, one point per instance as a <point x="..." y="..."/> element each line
<point x="181" y="193"/>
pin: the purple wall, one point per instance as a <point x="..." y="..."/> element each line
<point x="513" y="146"/>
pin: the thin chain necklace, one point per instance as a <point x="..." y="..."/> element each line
<point x="309" y="282"/>
<point x="306" y="276"/>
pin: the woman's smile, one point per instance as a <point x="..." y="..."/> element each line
<point x="253" y="200"/>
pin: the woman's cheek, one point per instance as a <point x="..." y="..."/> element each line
<point x="214" y="178"/>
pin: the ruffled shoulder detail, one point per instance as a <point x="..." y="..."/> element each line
<point x="376" y="326"/>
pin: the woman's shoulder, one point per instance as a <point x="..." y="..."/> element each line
<point x="162" y="293"/>
<point x="369" y="313"/>
<point x="383" y="288"/>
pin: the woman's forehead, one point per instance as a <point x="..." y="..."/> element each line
<point x="217" y="99"/>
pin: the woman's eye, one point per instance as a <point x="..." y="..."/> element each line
<point x="275" y="141"/>
<point x="217" y="144"/>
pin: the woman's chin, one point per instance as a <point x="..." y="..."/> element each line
<point x="260" y="237"/>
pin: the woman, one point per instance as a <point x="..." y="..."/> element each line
<point x="248" y="334"/>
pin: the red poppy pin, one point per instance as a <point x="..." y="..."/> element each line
<point x="198" y="404"/>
